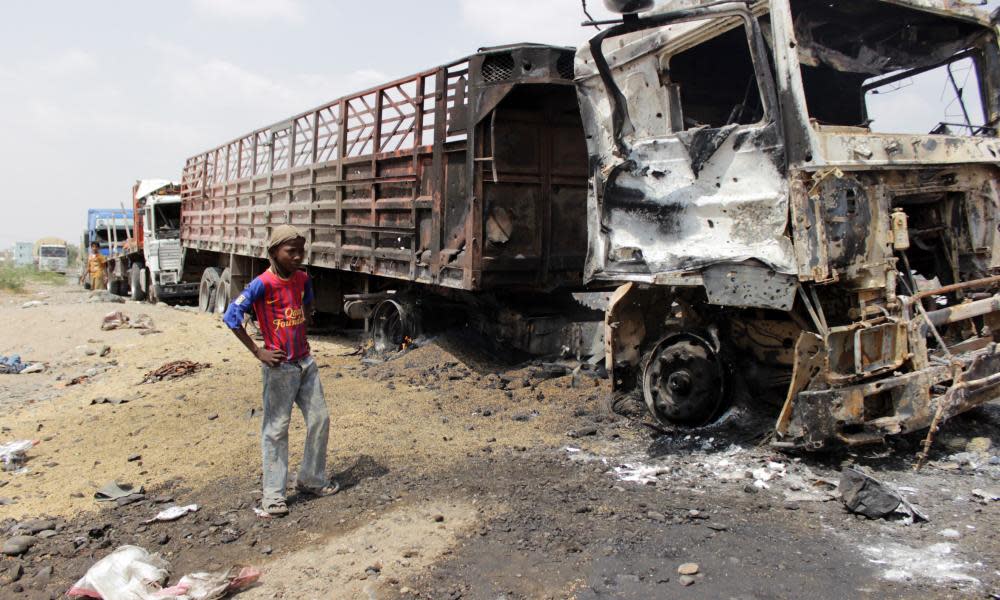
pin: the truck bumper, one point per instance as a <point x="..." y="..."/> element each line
<point x="867" y="412"/>
<point x="175" y="291"/>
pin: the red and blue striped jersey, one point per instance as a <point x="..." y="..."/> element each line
<point x="278" y="304"/>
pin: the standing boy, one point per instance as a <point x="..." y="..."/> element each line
<point x="97" y="267"/>
<point x="282" y="298"/>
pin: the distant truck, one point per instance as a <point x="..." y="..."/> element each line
<point x="24" y="254"/>
<point x="149" y="267"/>
<point x="51" y="254"/>
<point x="111" y="228"/>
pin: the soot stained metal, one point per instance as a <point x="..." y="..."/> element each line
<point x="767" y="237"/>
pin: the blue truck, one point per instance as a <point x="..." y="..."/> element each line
<point x="112" y="229"/>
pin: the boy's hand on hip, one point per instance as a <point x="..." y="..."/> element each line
<point x="271" y="358"/>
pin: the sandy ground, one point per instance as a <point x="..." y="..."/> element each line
<point x="463" y="478"/>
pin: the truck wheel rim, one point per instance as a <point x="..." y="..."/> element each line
<point x="389" y="328"/>
<point x="205" y="296"/>
<point x="683" y="381"/>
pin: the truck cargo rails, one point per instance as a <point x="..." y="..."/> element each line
<point x="460" y="187"/>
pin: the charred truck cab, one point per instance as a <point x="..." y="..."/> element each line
<point x="766" y="231"/>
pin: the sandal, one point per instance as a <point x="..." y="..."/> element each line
<point x="275" y="508"/>
<point x="327" y="490"/>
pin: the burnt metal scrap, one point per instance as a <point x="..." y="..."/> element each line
<point x="764" y="232"/>
<point x="865" y="495"/>
<point x="174" y="370"/>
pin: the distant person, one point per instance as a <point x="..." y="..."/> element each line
<point x="97" y="267"/>
<point x="282" y="298"/>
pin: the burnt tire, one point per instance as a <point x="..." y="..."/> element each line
<point x="684" y="381"/>
<point x="206" y="289"/>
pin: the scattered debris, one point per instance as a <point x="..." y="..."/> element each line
<point x="14" y="454"/>
<point x="78" y="380"/>
<point x="173" y="513"/>
<point x="206" y="586"/>
<point x="119" y="320"/>
<point x="867" y="496"/>
<point x="108" y="400"/>
<point x="105" y="296"/>
<point x="114" y="491"/>
<point x="174" y="370"/>
<point x="132" y="573"/>
<point x="12" y="365"/>
<point x="992" y="494"/>
<point x="521" y="417"/>
<point x="935" y="562"/>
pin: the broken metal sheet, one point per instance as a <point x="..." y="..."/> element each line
<point x="866" y="150"/>
<point x="866" y="496"/>
<point x="870" y="497"/>
<point x="687" y="204"/>
<point x="749" y="286"/>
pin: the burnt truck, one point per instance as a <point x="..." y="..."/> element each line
<point x="769" y="231"/>
<point x="456" y="193"/>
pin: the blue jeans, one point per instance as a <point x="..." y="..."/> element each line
<point x="293" y="383"/>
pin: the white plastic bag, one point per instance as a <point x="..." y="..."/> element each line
<point x="173" y="513"/>
<point x="12" y="453"/>
<point x="210" y="586"/>
<point x="128" y="573"/>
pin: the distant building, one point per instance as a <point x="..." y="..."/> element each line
<point x="24" y="254"/>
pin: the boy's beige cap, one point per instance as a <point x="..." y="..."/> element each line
<point x="282" y="234"/>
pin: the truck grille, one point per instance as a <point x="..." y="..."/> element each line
<point x="498" y="67"/>
<point x="170" y="257"/>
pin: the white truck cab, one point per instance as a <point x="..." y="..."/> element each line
<point x="158" y="202"/>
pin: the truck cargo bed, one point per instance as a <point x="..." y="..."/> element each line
<point x="470" y="176"/>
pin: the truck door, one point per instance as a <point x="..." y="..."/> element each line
<point x="693" y="174"/>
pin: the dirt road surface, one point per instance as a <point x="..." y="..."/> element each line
<point x="462" y="478"/>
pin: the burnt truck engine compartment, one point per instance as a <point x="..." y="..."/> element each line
<point x="854" y="359"/>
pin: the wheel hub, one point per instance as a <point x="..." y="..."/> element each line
<point x="684" y="381"/>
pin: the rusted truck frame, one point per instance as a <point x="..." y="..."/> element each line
<point x="465" y="183"/>
<point x="765" y="239"/>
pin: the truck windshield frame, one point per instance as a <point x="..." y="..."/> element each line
<point x="52" y="252"/>
<point x="167" y="220"/>
<point x="848" y="50"/>
<point x="621" y="121"/>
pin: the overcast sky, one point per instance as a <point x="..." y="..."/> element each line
<point x="95" y="94"/>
